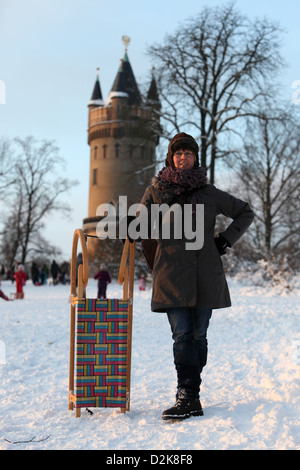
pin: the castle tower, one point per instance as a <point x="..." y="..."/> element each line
<point x="122" y="140"/>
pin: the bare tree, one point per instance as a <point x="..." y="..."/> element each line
<point x="269" y="169"/>
<point x="10" y="237"/>
<point x="211" y="71"/>
<point x="36" y="188"/>
<point x="7" y="176"/>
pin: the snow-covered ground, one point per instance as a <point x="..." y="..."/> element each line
<point x="250" y="392"/>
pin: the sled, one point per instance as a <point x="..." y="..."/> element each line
<point x="100" y="336"/>
<point x="16" y="295"/>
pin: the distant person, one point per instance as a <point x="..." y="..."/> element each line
<point x="42" y="276"/>
<point x="20" y="278"/>
<point x="46" y="273"/>
<point x="54" y="271"/>
<point x="64" y="269"/>
<point x="35" y="273"/>
<point x="142" y="282"/>
<point x="10" y="275"/>
<point x="104" y="278"/>
<point x="2" y="295"/>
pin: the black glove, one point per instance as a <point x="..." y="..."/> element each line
<point x="222" y="244"/>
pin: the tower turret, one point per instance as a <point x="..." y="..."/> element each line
<point x="152" y="95"/>
<point x="96" y="98"/>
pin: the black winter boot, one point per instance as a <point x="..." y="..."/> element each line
<point x="183" y="409"/>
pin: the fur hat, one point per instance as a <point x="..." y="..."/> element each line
<point x="185" y="142"/>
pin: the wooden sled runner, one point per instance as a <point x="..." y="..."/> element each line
<point x="100" y="337"/>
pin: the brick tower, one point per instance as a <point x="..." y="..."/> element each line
<point x="122" y="140"/>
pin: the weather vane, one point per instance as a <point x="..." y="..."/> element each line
<point x="126" y="41"/>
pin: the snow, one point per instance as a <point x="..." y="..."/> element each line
<point x="250" y="389"/>
<point x="115" y="94"/>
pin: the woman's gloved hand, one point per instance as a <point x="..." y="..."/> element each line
<point x="222" y="244"/>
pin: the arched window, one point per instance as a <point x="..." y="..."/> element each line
<point x="142" y="150"/>
<point x="141" y="177"/>
<point x="131" y="150"/>
<point x="117" y="150"/>
<point x="94" y="176"/>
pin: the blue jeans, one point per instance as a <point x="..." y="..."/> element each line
<point x="189" y="332"/>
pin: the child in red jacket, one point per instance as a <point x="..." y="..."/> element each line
<point x="20" y="278"/>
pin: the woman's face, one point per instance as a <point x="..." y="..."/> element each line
<point x="184" y="159"/>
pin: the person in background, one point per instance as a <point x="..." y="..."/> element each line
<point x="142" y="282"/>
<point x="2" y="295"/>
<point x="20" y="278"/>
<point x="46" y="272"/>
<point x="35" y="273"/>
<point x="54" y="272"/>
<point x="104" y="278"/>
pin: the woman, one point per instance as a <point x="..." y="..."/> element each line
<point x="189" y="283"/>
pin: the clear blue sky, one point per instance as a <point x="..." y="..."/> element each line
<point x="49" y="54"/>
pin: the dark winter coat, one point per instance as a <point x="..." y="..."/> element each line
<point x="103" y="278"/>
<point x="195" y="278"/>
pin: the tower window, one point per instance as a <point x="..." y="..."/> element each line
<point x="94" y="179"/>
<point x="141" y="177"/>
<point x="104" y="150"/>
<point x="142" y="148"/>
<point x="117" y="150"/>
<point x="95" y="153"/>
<point x="131" y="150"/>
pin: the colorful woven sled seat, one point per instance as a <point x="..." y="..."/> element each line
<point x="101" y="353"/>
<point x="100" y="338"/>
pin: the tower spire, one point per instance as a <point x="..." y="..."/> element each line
<point x="96" y="98"/>
<point x="153" y="96"/>
<point x="125" y="82"/>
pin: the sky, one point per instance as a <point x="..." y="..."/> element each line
<point x="49" y="53"/>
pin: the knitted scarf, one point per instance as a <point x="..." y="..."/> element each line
<point x="171" y="183"/>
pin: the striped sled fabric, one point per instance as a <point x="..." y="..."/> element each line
<point x="101" y="353"/>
